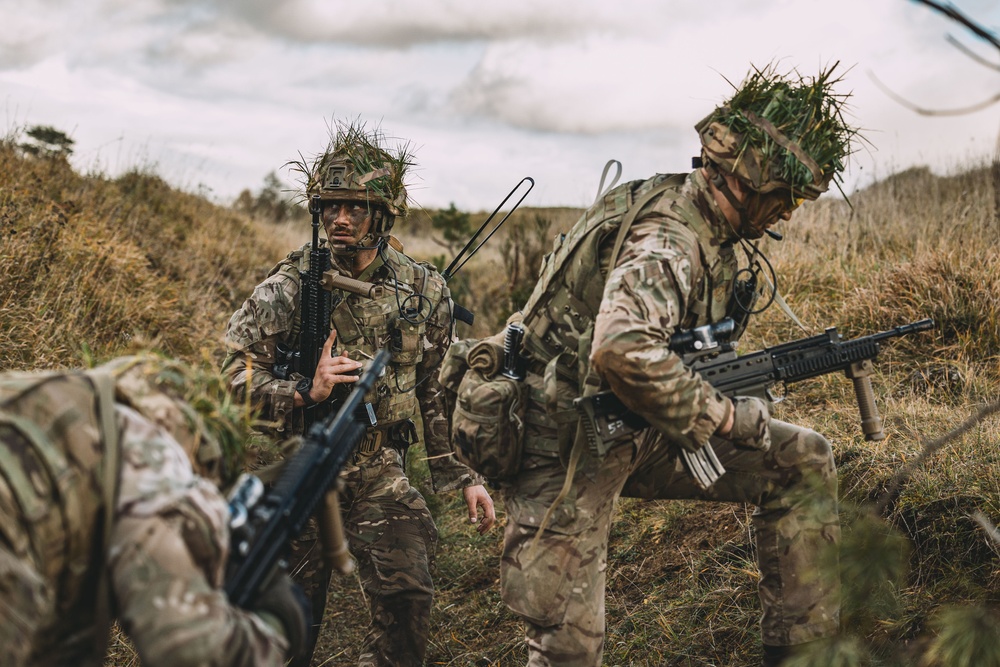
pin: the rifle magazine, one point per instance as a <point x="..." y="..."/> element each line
<point x="704" y="466"/>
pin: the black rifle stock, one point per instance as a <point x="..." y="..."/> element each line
<point x="263" y="524"/>
<point x="707" y="351"/>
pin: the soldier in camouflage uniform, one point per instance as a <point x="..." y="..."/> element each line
<point x="101" y="514"/>
<point x="390" y="530"/>
<point x="601" y="318"/>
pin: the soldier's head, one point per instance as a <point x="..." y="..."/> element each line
<point x="191" y="403"/>
<point x="779" y="140"/>
<point x="360" y="180"/>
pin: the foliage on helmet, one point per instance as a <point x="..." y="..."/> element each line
<point x="193" y="403"/>
<point x="375" y="169"/>
<point x="782" y="130"/>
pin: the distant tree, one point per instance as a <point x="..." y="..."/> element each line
<point x="271" y="203"/>
<point x="47" y="142"/>
<point x="521" y="252"/>
<point x="454" y="226"/>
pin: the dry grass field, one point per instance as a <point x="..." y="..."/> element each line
<point x="92" y="267"/>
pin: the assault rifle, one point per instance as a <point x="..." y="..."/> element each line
<point x="314" y="317"/>
<point x="708" y="351"/>
<point x="262" y="524"/>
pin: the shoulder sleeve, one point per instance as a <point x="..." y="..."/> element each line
<point x="168" y="551"/>
<point x="269" y="311"/>
<point x="645" y="298"/>
<point x="252" y="336"/>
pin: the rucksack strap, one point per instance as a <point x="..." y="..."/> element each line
<point x="632" y="214"/>
<point x="104" y="383"/>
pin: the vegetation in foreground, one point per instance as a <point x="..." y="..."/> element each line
<point x="92" y="267"/>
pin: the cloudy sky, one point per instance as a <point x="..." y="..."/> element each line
<point x="214" y="94"/>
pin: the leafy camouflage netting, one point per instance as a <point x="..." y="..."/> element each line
<point x="378" y="167"/>
<point x="805" y="115"/>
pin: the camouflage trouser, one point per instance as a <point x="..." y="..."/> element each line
<point x="558" y="587"/>
<point x="392" y="537"/>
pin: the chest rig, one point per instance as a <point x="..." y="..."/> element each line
<point x="60" y="462"/>
<point x="559" y="315"/>
<point x="395" y="318"/>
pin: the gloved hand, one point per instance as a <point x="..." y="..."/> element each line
<point x="284" y="600"/>
<point x="751" y="420"/>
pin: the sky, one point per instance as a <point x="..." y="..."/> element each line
<point x="214" y="94"/>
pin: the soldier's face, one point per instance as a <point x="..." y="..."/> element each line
<point x="347" y="222"/>
<point x="766" y="210"/>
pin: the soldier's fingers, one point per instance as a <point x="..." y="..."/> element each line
<point x="331" y="340"/>
<point x="343" y="365"/>
<point x="340" y="379"/>
<point x="489" y="515"/>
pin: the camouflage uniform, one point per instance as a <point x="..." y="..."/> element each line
<point x="389" y="528"/>
<point x="164" y="553"/>
<point x="675" y="270"/>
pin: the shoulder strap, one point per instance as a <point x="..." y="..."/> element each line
<point x="104" y="383"/>
<point x="631" y="215"/>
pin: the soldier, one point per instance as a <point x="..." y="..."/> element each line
<point x="390" y="530"/>
<point x="649" y="258"/>
<point x="103" y="515"/>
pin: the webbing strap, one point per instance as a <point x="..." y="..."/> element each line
<point x="104" y="383"/>
<point x="632" y="214"/>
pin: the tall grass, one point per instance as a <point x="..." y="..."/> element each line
<point x="98" y="266"/>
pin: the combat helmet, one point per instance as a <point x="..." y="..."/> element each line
<point x="359" y="165"/>
<point x="780" y="133"/>
<point x="191" y="403"/>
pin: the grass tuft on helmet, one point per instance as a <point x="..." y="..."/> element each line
<point x="782" y="131"/>
<point x="358" y="164"/>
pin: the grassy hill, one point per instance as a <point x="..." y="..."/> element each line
<point x="94" y="267"/>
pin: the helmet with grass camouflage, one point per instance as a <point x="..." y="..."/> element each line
<point x="193" y="405"/>
<point x="780" y="132"/>
<point x="359" y="165"/>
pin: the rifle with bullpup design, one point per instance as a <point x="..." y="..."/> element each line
<point x="262" y="524"/>
<point x="708" y="351"/>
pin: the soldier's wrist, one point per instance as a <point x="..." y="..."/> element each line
<point x="304" y="389"/>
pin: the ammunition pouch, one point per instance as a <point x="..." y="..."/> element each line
<point x="487" y="428"/>
<point x="488" y="424"/>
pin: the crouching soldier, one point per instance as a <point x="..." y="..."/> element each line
<point x="110" y="508"/>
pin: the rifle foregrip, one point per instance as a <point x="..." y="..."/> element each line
<point x="335" y="553"/>
<point x="871" y="420"/>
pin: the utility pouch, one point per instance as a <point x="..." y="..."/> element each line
<point x="488" y="424"/>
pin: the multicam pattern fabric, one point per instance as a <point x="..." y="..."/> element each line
<point x="675" y="271"/>
<point x="390" y="530"/>
<point x="168" y="544"/>
<point x="269" y="317"/>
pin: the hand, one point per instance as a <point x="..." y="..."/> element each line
<point x="751" y="424"/>
<point x="475" y="497"/>
<point x="284" y="600"/>
<point x="332" y="370"/>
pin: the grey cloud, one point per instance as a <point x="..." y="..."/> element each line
<point x="401" y="24"/>
<point x="600" y="105"/>
<point x="18" y="52"/>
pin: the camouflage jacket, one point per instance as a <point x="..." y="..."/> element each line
<point x="612" y="325"/>
<point x="270" y="317"/>
<point x="166" y="551"/>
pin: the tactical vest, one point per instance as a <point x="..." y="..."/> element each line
<point x="559" y="315"/>
<point x="63" y="479"/>
<point x="364" y="326"/>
